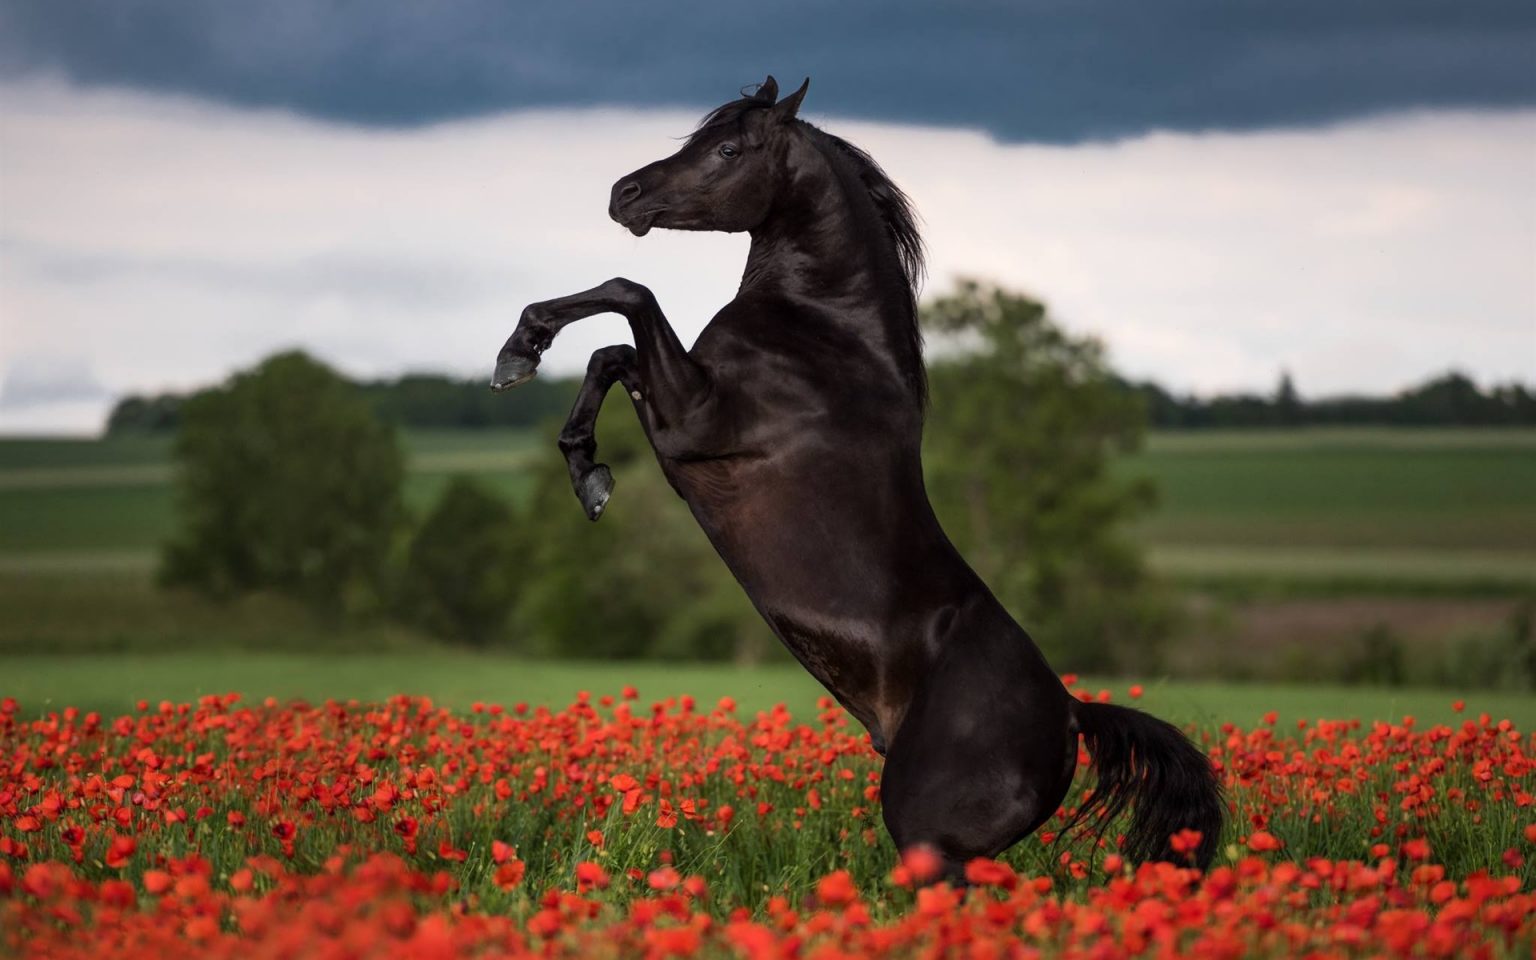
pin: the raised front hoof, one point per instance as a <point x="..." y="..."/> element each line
<point x="512" y="371"/>
<point x="595" y="489"/>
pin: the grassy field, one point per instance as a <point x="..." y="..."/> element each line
<point x="1420" y="506"/>
<point x="113" y="684"/>
<point x="1422" y="521"/>
<point x="1417" y="506"/>
<point x="83" y="500"/>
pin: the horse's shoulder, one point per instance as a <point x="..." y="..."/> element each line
<point x="782" y="339"/>
<point x="749" y="310"/>
<point x="749" y="322"/>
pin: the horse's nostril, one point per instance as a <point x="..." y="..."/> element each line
<point x="629" y="191"/>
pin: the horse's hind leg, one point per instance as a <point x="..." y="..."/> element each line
<point x="982" y="759"/>
<point x="592" y="481"/>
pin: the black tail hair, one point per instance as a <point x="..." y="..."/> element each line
<point x="1150" y="765"/>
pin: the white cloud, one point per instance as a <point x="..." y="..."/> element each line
<point x="165" y="242"/>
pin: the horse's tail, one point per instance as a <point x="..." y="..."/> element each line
<point x="1151" y="766"/>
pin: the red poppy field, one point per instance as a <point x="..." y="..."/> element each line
<point x="618" y="828"/>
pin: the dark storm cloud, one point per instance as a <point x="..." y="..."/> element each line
<point x="1041" y="70"/>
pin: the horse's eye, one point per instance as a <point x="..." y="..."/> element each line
<point x="729" y="151"/>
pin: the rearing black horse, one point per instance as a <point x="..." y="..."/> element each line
<point x="793" y="430"/>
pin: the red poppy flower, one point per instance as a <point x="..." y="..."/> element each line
<point x="510" y="874"/>
<point x="990" y="873"/>
<point x="591" y="876"/>
<point x="120" y="850"/>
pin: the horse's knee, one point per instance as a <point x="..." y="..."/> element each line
<point x="611" y="363"/>
<point x="628" y="294"/>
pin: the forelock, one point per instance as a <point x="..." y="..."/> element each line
<point x="727" y="116"/>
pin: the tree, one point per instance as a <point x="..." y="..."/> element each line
<point x="155" y="414"/>
<point x="288" y="482"/>
<point x="1288" y="406"/>
<point x="1450" y="400"/>
<point x="1023" y="426"/>
<point x="464" y="567"/>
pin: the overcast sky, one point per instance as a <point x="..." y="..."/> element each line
<point x="1218" y="195"/>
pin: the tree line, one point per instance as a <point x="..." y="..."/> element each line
<point x="417" y="400"/>
<point x="1449" y="400"/>
<point x="440" y="401"/>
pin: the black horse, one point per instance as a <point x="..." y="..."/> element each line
<point x="793" y="431"/>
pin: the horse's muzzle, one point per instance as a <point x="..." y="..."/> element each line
<point x="624" y="194"/>
<point x="621" y="208"/>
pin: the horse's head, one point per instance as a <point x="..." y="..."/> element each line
<point x="724" y="178"/>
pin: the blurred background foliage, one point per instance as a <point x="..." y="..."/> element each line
<point x="288" y="482"/>
<point x="1024" y="424"/>
<point x="314" y="513"/>
<point x="464" y="566"/>
<point x="641" y="582"/>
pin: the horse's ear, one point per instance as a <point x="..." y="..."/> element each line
<point x="767" y="91"/>
<point x="787" y="108"/>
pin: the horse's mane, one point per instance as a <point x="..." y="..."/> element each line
<point x="894" y="207"/>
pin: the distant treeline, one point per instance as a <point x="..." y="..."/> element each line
<point x="1451" y="400"/>
<point x="415" y="400"/>
<point x="430" y="400"/>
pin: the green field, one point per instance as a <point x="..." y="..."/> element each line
<point x="85" y="502"/>
<point x="1417" y="506"/>
<point x="1438" y="526"/>
<point x="113" y="684"/>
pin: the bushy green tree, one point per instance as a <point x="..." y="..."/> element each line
<point x="152" y="414"/>
<point x="463" y="570"/>
<point x="1024" y="424"/>
<point x="288" y="482"/>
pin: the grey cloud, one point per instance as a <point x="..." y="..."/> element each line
<point x="1037" y="70"/>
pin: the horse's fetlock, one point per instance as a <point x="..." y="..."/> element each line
<point x="534" y="319"/>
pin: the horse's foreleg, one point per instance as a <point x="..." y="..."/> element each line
<point x="592" y="481"/>
<point x="658" y="345"/>
<point x="677" y="406"/>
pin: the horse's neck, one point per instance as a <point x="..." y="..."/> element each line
<point x="808" y="267"/>
<point x="826" y="246"/>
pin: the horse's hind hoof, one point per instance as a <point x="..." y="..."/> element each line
<point x="596" y="488"/>
<point x="512" y="371"/>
